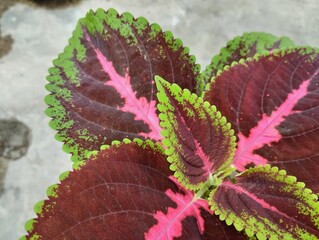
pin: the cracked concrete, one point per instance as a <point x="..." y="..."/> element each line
<point x="40" y="34"/>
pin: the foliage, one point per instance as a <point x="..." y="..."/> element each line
<point x="162" y="151"/>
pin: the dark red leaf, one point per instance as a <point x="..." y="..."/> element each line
<point x="125" y="192"/>
<point x="102" y="86"/>
<point x="200" y="142"/>
<point x="272" y="103"/>
<point x="242" y="47"/>
<point x="268" y="203"/>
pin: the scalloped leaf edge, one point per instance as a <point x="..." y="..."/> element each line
<point x="51" y="190"/>
<point x="56" y="111"/>
<point x="288" y="43"/>
<point x="169" y="151"/>
<point x="230" y="219"/>
<point x="243" y="61"/>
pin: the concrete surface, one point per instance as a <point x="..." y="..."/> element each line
<point x="39" y="34"/>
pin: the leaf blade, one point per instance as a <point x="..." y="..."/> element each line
<point x="124" y="192"/>
<point x="242" y="47"/>
<point x="272" y="103"/>
<point x="268" y="203"/>
<point x="199" y="140"/>
<point x="102" y="86"/>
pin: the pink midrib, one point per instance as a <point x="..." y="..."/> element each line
<point x="261" y="202"/>
<point x="122" y="84"/>
<point x="258" y="136"/>
<point x="187" y="205"/>
<point x="208" y="165"/>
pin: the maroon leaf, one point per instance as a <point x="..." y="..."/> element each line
<point x="268" y="203"/>
<point x="242" y="47"/>
<point x="102" y="86"/>
<point x="273" y="105"/>
<point x="200" y="142"/>
<point x="125" y="192"/>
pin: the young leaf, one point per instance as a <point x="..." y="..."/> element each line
<point x="272" y="103"/>
<point x="268" y="203"/>
<point x="124" y="192"/>
<point x="102" y="86"/>
<point x="199" y="140"/>
<point x="242" y="47"/>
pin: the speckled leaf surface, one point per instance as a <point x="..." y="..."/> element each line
<point x="242" y="47"/>
<point x="272" y="103"/>
<point x="268" y="203"/>
<point x="102" y="86"/>
<point x="199" y="140"/>
<point x="125" y="191"/>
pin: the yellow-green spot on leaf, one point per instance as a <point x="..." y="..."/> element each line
<point x="85" y="135"/>
<point x="54" y="71"/>
<point x="63" y="93"/>
<point x="127" y="33"/>
<point x="116" y="143"/>
<point x="71" y="72"/>
<point x="113" y="22"/>
<point x="60" y="125"/>
<point x="127" y="17"/>
<point x="88" y="21"/>
<point x="49" y="207"/>
<point x="38" y="207"/>
<point x="29" y="225"/>
<point x="89" y="154"/>
<point x="190" y="113"/>
<point x="52" y="191"/>
<point x="104" y="147"/>
<point x="168" y="37"/>
<point x="177" y="44"/>
<point x="78" y="164"/>
<point x="76" y="43"/>
<point x="126" y="141"/>
<point x="35" y="237"/>
<point x="155" y="29"/>
<point x="55" y="79"/>
<point x="140" y="24"/>
<point x="64" y="176"/>
<point x="138" y="141"/>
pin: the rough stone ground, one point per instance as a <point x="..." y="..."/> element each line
<point x="35" y="36"/>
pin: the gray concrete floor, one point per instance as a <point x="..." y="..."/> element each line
<point x="39" y="34"/>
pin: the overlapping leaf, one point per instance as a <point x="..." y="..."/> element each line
<point x="242" y="47"/>
<point x="268" y="203"/>
<point x="102" y="86"/>
<point x="199" y="140"/>
<point x="272" y="103"/>
<point x="125" y="192"/>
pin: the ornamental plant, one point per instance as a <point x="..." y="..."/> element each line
<point x="164" y="151"/>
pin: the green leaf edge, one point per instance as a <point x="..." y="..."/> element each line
<point x="262" y="39"/>
<point x="51" y="190"/>
<point x="230" y="219"/>
<point x="280" y="52"/>
<point x="172" y="158"/>
<point x="93" y="21"/>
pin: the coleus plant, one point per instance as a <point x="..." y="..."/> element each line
<point x="211" y="155"/>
